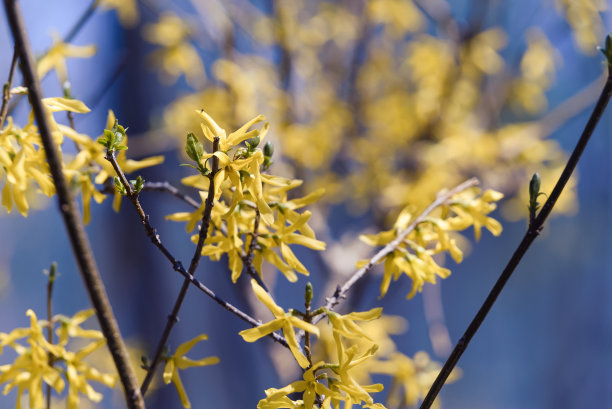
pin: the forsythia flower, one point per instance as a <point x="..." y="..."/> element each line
<point x="179" y="361"/>
<point x="414" y="375"/>
<point x="345" y="324"/>
<point x="309" y="386"/>
<point x="243" y="195"/>
<point x="414" y="255"/>
<point x="176" y="56"/>
<point x="31" y="368"/>
<point x="283" y="320"/>
<point x="55" y="58"/>
<point x="127" y="10"/>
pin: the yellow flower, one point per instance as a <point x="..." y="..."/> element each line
<point x="127" y="10"/>
<point x="354" y="393"/>
<point x="55" y="58"/>
<point x="345" y="324"/>
<point x="31" y="367"/>
<point x="309" y="386"/>
<point x="414" y="375"/>
<point x="283" y="320"/>
<point x="179" y="361"/>
<point x="177" y="56"/>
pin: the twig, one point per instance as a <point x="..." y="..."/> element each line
<point x="78" y="25"/>
<point x="247" y="259"/>
<point x="173" y="317"/>
<point x="72" y="220"/>
<point x="51" y="358"/>
<point x="168" y="188"/>
<point x="532" y="232"/>
<point x="6" y="90"/>
<point x="340" y="293"/>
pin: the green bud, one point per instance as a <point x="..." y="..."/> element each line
<point x="144" y="362"/>
<point x="66" y="87"/>
<point x="268" y="149"/>
<point x="308" y="293"/>
<point x="253" y="142"/>
<point x="534" y="187"/>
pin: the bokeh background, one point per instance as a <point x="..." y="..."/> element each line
<point x="547" y="342"/>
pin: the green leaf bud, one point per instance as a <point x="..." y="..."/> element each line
<point x="194" y="148"/>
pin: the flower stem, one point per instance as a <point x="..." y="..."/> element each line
<point x="532" y="232"/>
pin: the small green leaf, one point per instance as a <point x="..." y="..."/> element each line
<point x="119" y="186"/>
<point x="138" y="184"/>
<point x="121" y="147"/>
<point x="194" y="148"/>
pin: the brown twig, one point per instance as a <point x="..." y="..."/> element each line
<point x="168" y="188"/>
<point x="532" y="232"/>
<point x="72" y="219"/>
<point x="173" y="317"/>
<point x="6" y="90"/>
<point x="247" y="259"/>
<point x="341" y="292"/>
<point x="51" y="358"/>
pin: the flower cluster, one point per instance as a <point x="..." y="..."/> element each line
<point x="431" y="236"/>
<point x="40" y="362"/>
<point x="25" y="170"/>
<point x="326" y="384"/>
<point x="252" y="212"/>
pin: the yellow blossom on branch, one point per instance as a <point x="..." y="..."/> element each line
<point x="179" y="361"/>
<point x="283" y="320"/>
<point x="432" y="235"/>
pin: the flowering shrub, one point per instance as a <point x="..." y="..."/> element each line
<point x="364" y="108"/>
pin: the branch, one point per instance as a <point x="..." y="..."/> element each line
<point x="72" y="220"/>
<point x="532" y="232"/>
<point x="6" y="89"/>
<point x="168" y="188"/>
<point x="247" y="259"/>
<point x="173" y="317"/>
<point x="340" y="292"/>
<point x="177" y="265"/>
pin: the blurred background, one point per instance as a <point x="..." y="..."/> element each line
<point x="382" y="103"/>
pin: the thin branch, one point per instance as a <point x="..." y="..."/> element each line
<point x="341" y="292"/>
<point x="51" y="358"/>
<point x="168" y="188"/>
<point x="80" y="23"/>
<point x="532" y="232"/>
<point x="72" y="219"/>
<point x="6" y="90"/>
<point x="247" y="259"/>
<point x="173" y="317"/>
